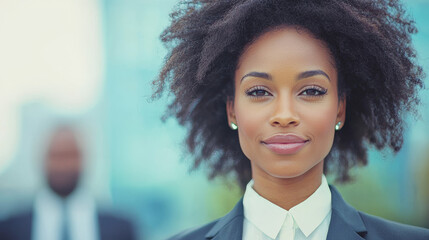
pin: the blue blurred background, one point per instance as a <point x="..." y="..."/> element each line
<point x="90" y="63"/>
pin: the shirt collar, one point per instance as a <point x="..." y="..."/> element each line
<point x="269" y="218"/>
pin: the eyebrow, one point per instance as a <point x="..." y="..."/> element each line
<point x="308" y="74"/>
<point x="302" y="75"/>
<point x="258" y="75"/>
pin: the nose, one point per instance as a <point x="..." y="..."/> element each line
<point x="284" y="114"/>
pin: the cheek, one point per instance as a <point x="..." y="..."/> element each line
<point x="321" y="124"/>
<point x="251" y="119"/>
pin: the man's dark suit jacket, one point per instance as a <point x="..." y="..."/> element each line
<point x="346" y="224"/>
<point x="111" y="227"/>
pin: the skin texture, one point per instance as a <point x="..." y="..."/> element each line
<point x="288" y="98"/>
<point x="63" y="163"/>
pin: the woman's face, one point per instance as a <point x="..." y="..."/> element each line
<point x="286" y="104"/>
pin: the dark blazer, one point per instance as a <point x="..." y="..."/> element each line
<point x="346" y="224"/>
<point x="111" y="227"/>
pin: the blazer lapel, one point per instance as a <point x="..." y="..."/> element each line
<point x="346" y="222"/>
<point x="230" y="226"/>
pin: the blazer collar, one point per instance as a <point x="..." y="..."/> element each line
<point x="230" y="226"/>
<point x="346" y="222"/>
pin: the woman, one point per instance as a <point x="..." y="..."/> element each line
<point x="280" y="92"/>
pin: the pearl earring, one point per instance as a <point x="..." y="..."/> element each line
<point x="234" y="126"/>
<point x="337" y="126"/>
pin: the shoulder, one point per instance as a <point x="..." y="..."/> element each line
<point x="379" y="228"/>
<point x="194" y="233"/>
<point x="113" y="218"/>
<point x="18" y="219"/>
<point x="16" y="226"/>
<point x="229" y="226"/>
<point x="346" y="220"/>
<point x="116" y="225"/>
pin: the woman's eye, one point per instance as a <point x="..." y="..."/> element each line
<point x="257" y="92"/>
<point x="314" y="91"/>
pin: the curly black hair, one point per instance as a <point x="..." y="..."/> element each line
<point x="370" y="41"/>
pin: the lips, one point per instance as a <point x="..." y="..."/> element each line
<point x="285" y="143"/>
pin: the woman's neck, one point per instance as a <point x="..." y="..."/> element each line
<point x="287" y="192"/>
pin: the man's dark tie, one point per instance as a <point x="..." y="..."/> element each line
<point x="65" y="226"/>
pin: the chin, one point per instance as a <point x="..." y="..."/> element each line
<point x="286" y="173"/>
<point x="291" y="169"/>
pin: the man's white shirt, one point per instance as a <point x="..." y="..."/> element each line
<point x="49" y="213"/>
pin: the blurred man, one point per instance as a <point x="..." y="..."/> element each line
<point x="62" y="211"/>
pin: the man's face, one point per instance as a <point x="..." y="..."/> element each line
<point x="63" y="163"/>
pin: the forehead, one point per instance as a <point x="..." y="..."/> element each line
<point x="63" y="140"/>
<point x="287" y="47"/>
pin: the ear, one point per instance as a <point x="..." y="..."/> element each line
<point x="230" y="111"/>
<point x="341" y="114"/>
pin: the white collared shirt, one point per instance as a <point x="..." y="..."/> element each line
<point x="309" y="220"/>
<point x="48" y="216"/>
